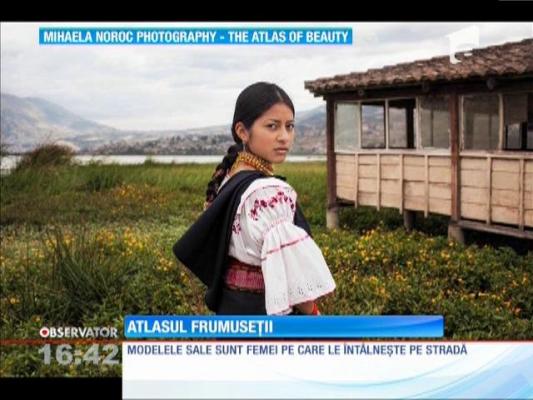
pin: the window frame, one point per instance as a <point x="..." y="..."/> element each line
<point x="415" y="123"/>
<point x="524" y="129"/>
<point x="385" y="124"/>
<point x="419" y="117"/>
<point x="358" y="105"/>
<point x="462" y="121"/>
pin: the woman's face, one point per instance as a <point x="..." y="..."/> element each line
<point x="272" y="134"/>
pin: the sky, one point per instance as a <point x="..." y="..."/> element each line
<point x="187" y="86"/>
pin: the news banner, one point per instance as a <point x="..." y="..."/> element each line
<point x="173" y="357"/>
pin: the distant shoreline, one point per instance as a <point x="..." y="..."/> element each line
<point x="9" y="161"/>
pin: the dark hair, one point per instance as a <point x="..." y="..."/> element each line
<point x="253" y="102"/>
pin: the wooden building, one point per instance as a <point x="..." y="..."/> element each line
<point x="438" y="137"/>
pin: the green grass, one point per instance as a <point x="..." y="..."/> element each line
<point x="86" y="245"/>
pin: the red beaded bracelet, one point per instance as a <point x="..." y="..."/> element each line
<point x="315" y="309"/>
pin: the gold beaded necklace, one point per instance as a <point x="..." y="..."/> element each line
<point x="254" y="161"/>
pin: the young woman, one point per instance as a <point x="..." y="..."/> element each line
<point x="252" y="246"/>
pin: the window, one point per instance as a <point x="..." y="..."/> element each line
<point x="401" y="123"/>
<point x="435" y="121"/>
<point x="481" y="122"/>
<point x="373" y="124"/>
<point x="347" y="126"/>
<point x="518" y="119"/>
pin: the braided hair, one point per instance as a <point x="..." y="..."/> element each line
<point x="252" y="102"/>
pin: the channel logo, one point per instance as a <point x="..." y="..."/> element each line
<point x="78" y="332"/>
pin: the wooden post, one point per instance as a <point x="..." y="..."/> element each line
<point x="332" y="211"/>
<point x="521" y="193"/>
<point x="356" y="182"/>
<point x="501" y="126"/>
<point x="454" y="230"/>
<point x="408" y="220"/>
<point x="378" y="181"/>
<point x="426" y="185"/>
<point x="401" y="182"/>
<point x="489" y="189"/>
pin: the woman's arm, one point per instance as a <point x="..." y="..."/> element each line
<point x="308" y="308"/>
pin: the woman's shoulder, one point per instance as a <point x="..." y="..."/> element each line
<point x="265" y="188"/>
<point x="266" y="183"/>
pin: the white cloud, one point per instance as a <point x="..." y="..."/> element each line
<point x="176" y="87"/>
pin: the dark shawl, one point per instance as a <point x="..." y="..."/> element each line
<point x="204" y="247"/>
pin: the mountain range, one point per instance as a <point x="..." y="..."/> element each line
<point x="26" y="122"/>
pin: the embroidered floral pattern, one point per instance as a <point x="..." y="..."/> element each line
<point x="236" y="227"/>
<point x="260" y="204"/>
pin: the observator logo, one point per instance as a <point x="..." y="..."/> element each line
<point x="78" y="332"/>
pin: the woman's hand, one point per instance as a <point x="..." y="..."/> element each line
<point x="308" y="308"/>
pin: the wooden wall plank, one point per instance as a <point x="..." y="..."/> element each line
<point x="345" y="180"/>
<point x="367" y="199"/>
<point x="345" y="192"/>
<point x="474" y="195"/>
<point x="390" y="200"/>
<point x="440" y="174"/>
<point x="473" y="211"/>
<point x="528" y="218"/>
<point x="529" y="182"/>
<point x="344" y="168"/>
<point x="414" y="203"/>
<point x="390" y="172"/>
<point x="505" y="180"/>
<point x="474" y="178"/>
<point x="505" y="215"/>
<point x="367" y="171"/>
<point x="440" y="191"/>
<point x="344" y="158"/>
<point x="367" y="159"/>
<point x="415" y="189"/>
<point x="417" y="161"/>
<point x="476" y="164"/>
<point x="528" y="201"/>
<point x="389" y="159"/>
<point x="506" y="198"/>
<point x="505" y="165"/>
<point x="367" y="185"/>
<point x="439" y="206"/>
<point x="390" y="186"/>
<point x="440" y="161"/>
<point x="413" y="173"/>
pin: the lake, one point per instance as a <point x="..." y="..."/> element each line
<point x="9" y="162"/>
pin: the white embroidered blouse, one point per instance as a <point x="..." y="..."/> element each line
<point x="264" y="234"/>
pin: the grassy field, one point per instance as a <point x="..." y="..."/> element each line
<point x="86" y="245"/>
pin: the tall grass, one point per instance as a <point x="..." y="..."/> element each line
<point x="86" y="245"/>
<point x="46" y="155"/>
